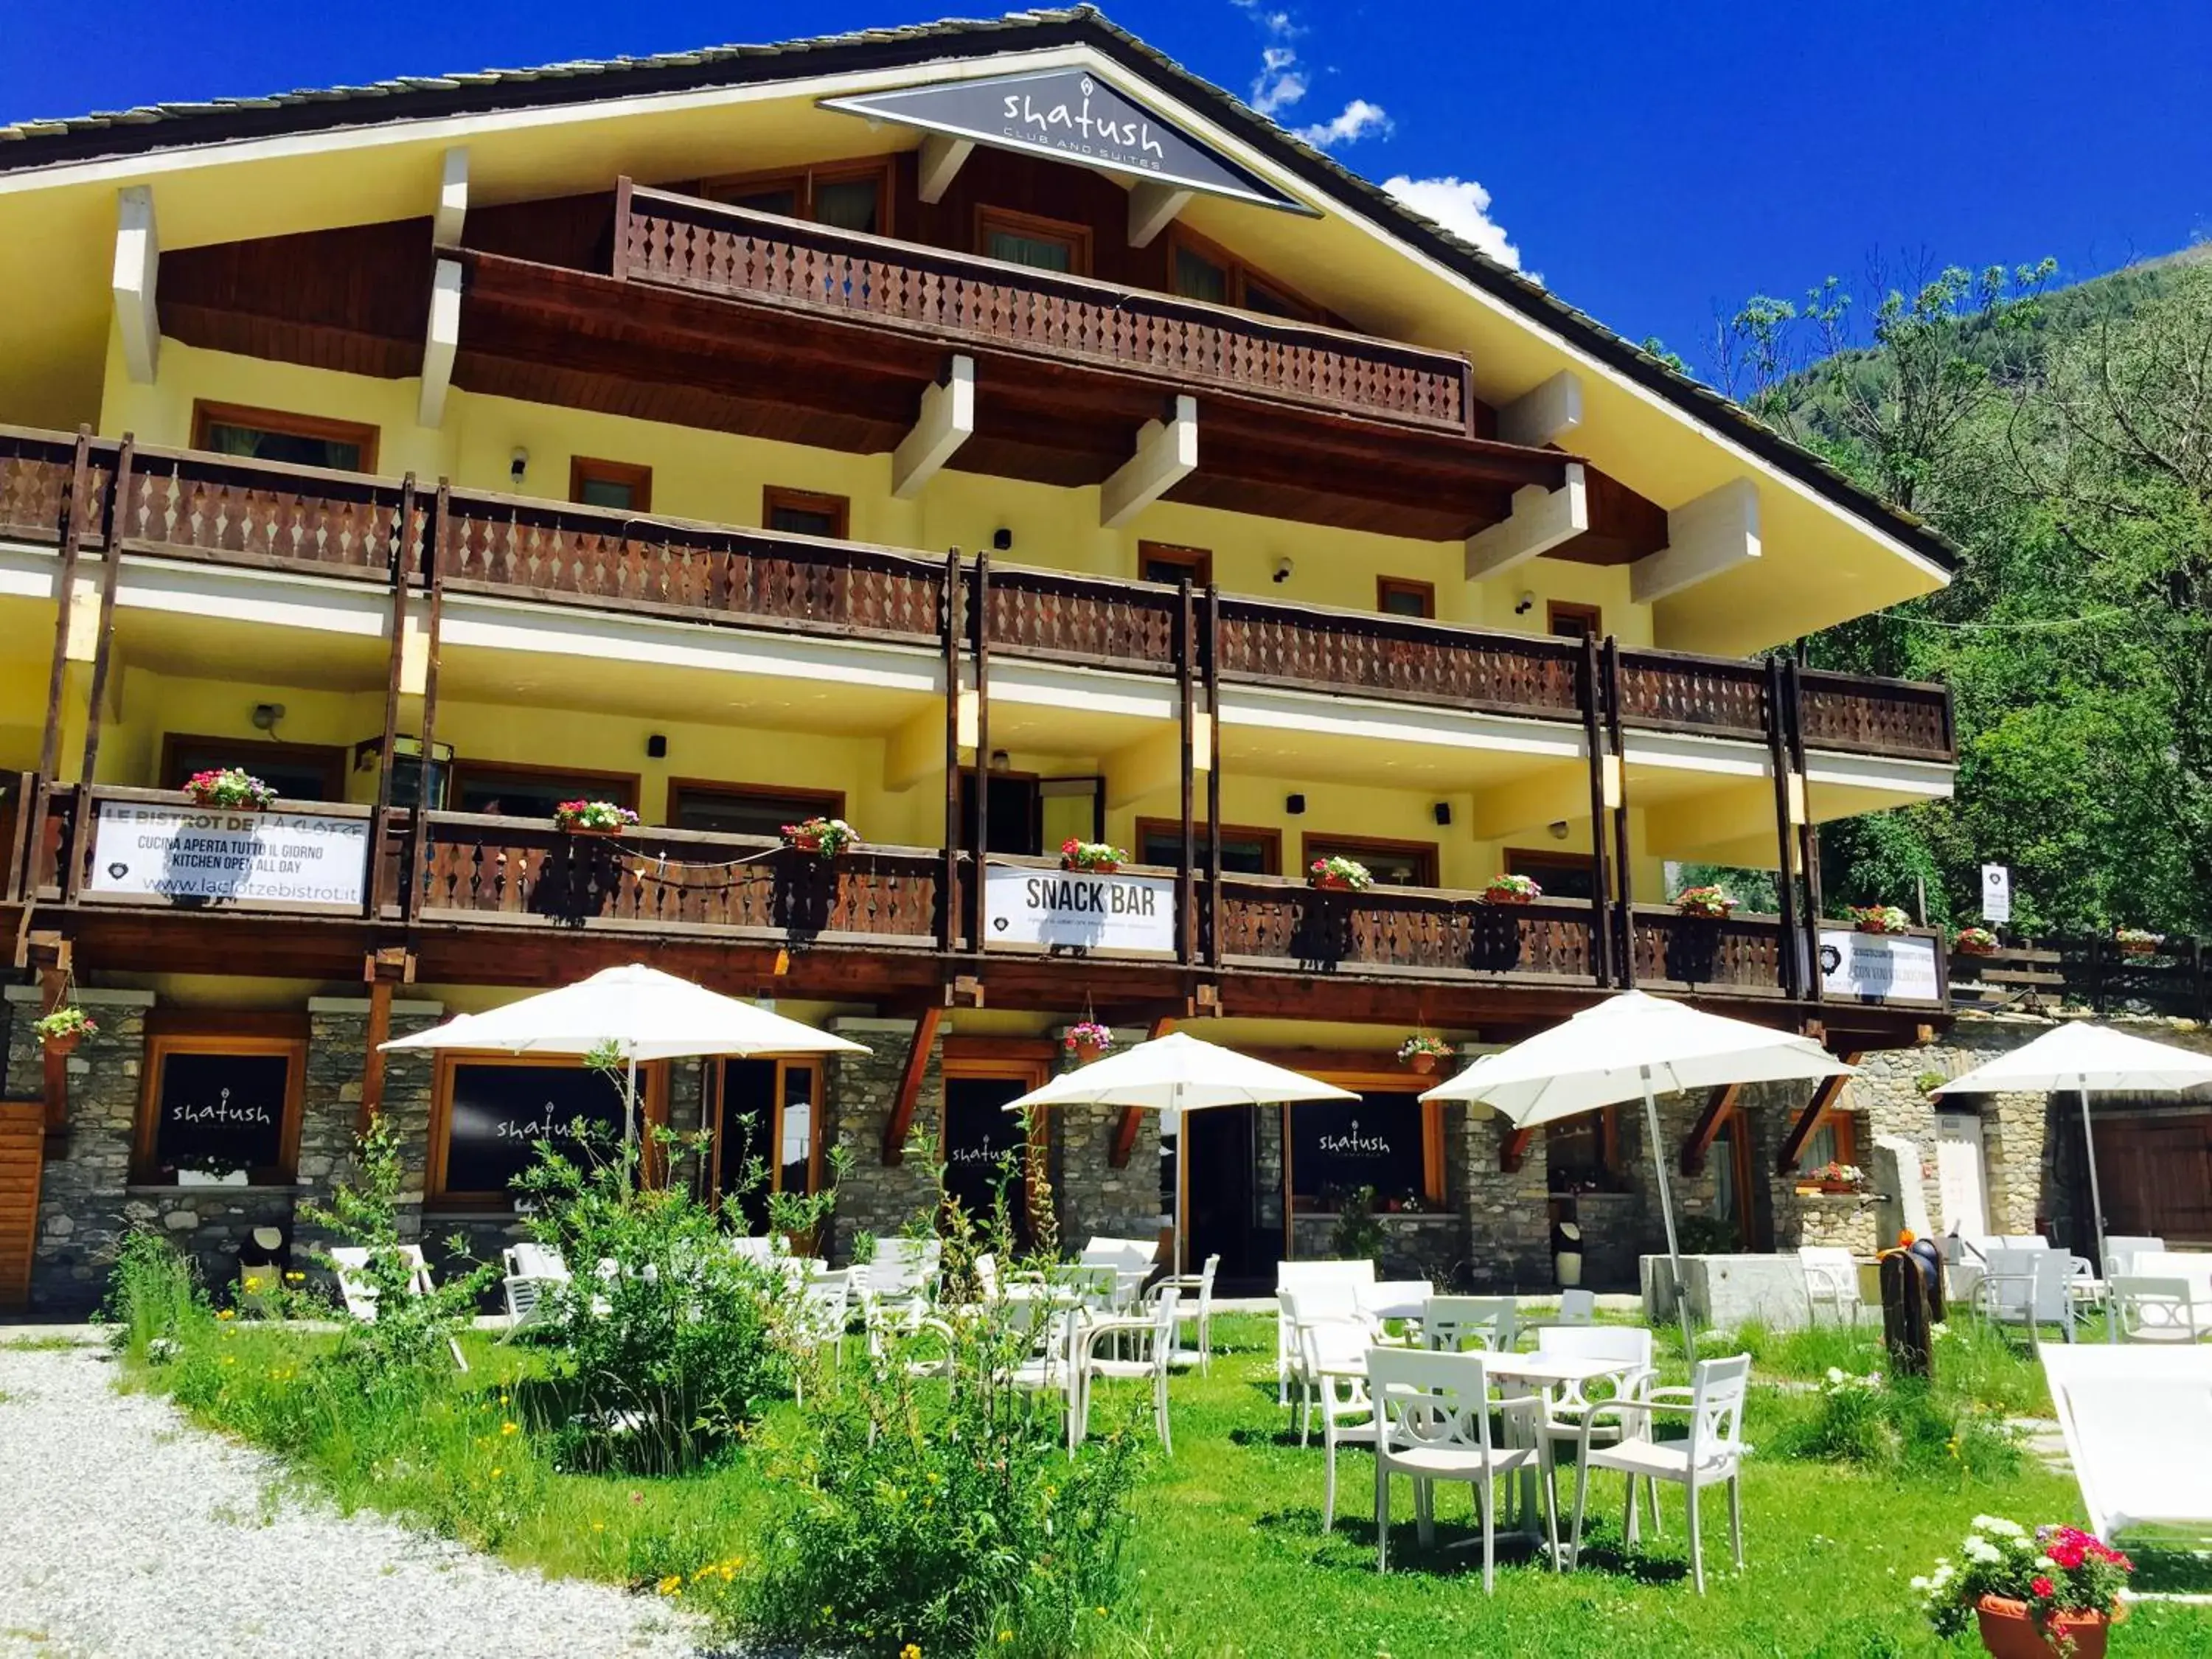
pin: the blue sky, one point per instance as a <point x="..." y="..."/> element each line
<point x="1650" y="161"/>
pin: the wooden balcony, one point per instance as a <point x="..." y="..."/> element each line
<point x="189" y="505"/>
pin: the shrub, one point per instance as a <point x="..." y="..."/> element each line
<point x="1900" y="1426"/>
<point x="152" y="1295"/>
<point x="1705" y="1235"/>
<point x="1358" y="1235"/>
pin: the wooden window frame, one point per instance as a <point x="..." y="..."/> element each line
<point x="1609" y="1128"/>
<point x="803" y="181"/>
<point x="234" y="1034"/>
<point x="1273" y="839"/>
<point x="1591" y="617"/>
<point x="206" y="414"/>
<point x="1360" y="1077"/>
<point x="1353" y="846"/>
<point x="1239" y="271"/>
<point x="1199" y="560"/>
<point x="839" y="508"/>
<point x="335" y="758"/>
<point x="584" y="469"/>
<point x="462" y="773"/>
<point x="1535" y="861"/>
<point x="1424" y="591"/>
<point x="653" y="1109"/>
<point x="783" y="1064"/>
<point x="1006" y="1060"/>
<point x="1036" y="227"/>
<point x="824" y="803"/>
<point x="1845" y="1122"/>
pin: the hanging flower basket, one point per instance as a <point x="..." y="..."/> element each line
<point x="593" y="817"/>
<point x="59" y="1032"/>
<point x="1100" y="858"/>
<point x="1087" y="1041"/>
<point x="233" y="789"/>
<point x="2138" y="941"/>
<point x="824" y="838"/>
<point x="1422" y="1052"/>
<point x="1713" y="903"/>
<point x="1879" y="918"/>
<point x="1975" y="942"/>
<point x="1339" y="875"/>
<point x="1511" y="889"/>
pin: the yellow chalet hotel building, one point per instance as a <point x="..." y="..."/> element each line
<point x="986" y="434"/>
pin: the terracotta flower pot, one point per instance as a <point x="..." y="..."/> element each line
<point x="1504" y="895"/>
<point x="1333" y="884"/>
<point x="2009" y="1632"/>
<point x="209" y="804"/>
<point x="1423" y="1064"/>
<point x="2137" y="947"/>
<point x="1099" y="867"/>
<point x="1977" y="950"/>
<point x="590" y="828"/>
<point x="65" y="1044"/>
<point x="1087" y="1052"/>
<point x="806" y="844"/>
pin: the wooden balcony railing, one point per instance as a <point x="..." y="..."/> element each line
<point x="1741" y="956"/>
<point x="1275" y="923"/>
<point x="684" y="242"/>
<point x="191" y="505"/>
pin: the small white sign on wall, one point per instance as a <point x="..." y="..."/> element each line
<point x="1996" y="892"/>
<point x="1079" y="910"/>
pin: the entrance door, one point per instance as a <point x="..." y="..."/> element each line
<point x="984" y="1147"/>
<point x="1218" y="1151"/>
<point x="1017" y="813"/>
<point x="22" y="1156"/>
<point x="1960" y="1185"/>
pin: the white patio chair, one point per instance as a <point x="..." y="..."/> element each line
<point x="753" y="1249"/>
<point x="1450" y="1323"/>
<point x="1713" y="1455"/>
<point x="2158" y="1310"/>
<point x="2194" y="1267"/>
<point x="1332" y="1362"/>
<point x="1566" y="1410"/>
<point x="351" y="1262"/>
<point x="1319" y="1299"/>
<point x="2138" y="1428"/>
<point x="1301" y="1276"/>
<point x="1196" y="1308"/>
<point x="531" y="1270"/>
<point x="2121" y="1250"/>
<point x="1129" y="1349"/>
<point x="2028" y="1287"/>
<point x="1435" y="1410"/>
<point x="1575" y="1308"/>
<point x="1832" y="1276"/>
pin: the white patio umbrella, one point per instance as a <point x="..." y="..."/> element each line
<point x="2083" y="1057"/>
<point x="1630" y="1045"/>
<point x="1175" y="1074"/>
<point x="647" y="1015"/>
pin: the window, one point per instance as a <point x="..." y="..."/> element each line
<point x="740" y="810"/>
<point x="1197" y="277"/>
<point x="1164" y="561"/>
<point x="855" y="196"/>
<point x="297" y="771"/>
<point x="533" y="791"/>
<point x="1571" y="621"/>
<point x="1582" y="1153"/>
<point x="1393" y="863"/>
<point x="618" y="484"/>
<point x="1394" y="596"/>
<point x="1201" y="270"/>
<point x="1244" y="851"/>
<point x="978" y="1135"/>
<point x="850" y="203"/>
<point x="1017" y="800"/>
<point x="222" y="1104"/>
<point x="803" y="512"/>
<point x="771" y="1110"/>
<point x="488" y="1112"/>
<point x="1270" y="299"/>
<point x="1023" y="238"/>
<point x="1561" y="875"/>
<point x="1389" y="1139"/>
<point x="268" y="434"/>
<point x="1834" y="1141"/>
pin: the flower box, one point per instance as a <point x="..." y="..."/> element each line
<point x="593" y="817"/>
<point x="1511" y="889"/>
<point x="2008" y="1630"/>
<point x="1880" y="919"/>
<point x="209" y="1178"/>
<point x="1098" y="857"/>
<point x="1975" y="942"/>
<point x="1339" y="875"/>
<point x="2138" y="942"/>
<point x="1711" y="904"/>
<point x="821" y="838"/>
<point x="232" y="789"/>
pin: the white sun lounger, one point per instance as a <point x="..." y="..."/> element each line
<point x="2138" y="1428"/>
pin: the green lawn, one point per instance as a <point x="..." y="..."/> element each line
<point x="1228" y="1556"/>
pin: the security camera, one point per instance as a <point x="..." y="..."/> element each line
<point x="1283" y="569"/>
<point x="520" y="465"/>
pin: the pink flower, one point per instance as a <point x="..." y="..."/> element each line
<point x="2043" y="1587"/>
<point x="2066" y="1553"/>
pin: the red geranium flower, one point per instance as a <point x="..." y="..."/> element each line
<point x="2043" y="1587"/>
<point x="2067" y="1554"/>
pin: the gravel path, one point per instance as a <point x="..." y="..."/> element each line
<point x="126" y="1533"/>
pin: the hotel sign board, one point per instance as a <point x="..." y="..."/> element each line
<point x="1078" y="910"/>
<point x="1068" y="115"/>
<point x="1878" y="967"/>
<point x="199" y="856"/>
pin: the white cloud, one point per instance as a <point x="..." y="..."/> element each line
<point x="1460" y="206"/>
<point x="1280" y="83"/>
<point x="1356" y="120"/>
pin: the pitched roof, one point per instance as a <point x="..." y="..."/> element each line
<point x="27" y="146"/>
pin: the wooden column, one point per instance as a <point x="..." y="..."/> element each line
<point x="1785" y="829"/>
<point x="103" y="649"/>
<point x="949" y="913"/>
<point x="72" y="534"/>
<point x="382" y="970"/>
<point x="1626" y="965"/>
<point x="1594" y="740"/>
<point x="1718" y="1105"/>
<point x="1808" y="836"/>
<point x="909" y="1088"/>
<point x="1825" y="1096"/>
<point x="52" y="957"/>
<point x="402" y="574"/>
<point x="434" y="568"/>
<point x="1513" y="1151"/>
<point x="980" y="934"/>
<point x="1213" y="776"/>
<point x="1187" y="693"/>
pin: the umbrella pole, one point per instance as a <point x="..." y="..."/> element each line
<point x="629" y="1102"/>
<point x="1183" y="1179"/>
<point x="2097" y="1215"/>
<point x="1666" y="1216"/>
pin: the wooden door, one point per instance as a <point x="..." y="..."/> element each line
<point x="22" y="1153"/>
<point x="2156" y="1173"/>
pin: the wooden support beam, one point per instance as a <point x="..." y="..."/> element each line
<point x="948" y="905"/>
<point x="1212" y="777"/>
<point x="138" y="263"/>
<point x="433" y="578"/>
<point x="1718" y="1105"/>
<point x="1540" y="520"/>
<point x="1167" y="453"/>
<point x="72" y="528"/>
<point x="372" y="1063"/>
<point x="1513" y="1151"/>
<point x="947" y="420"/>
<point x="942" y="158"/>
<point x="910" y="1089"/>
<point x="1715" y="533"/>
<point x="441" y="341"/>
<point x="1825" y="1096"/>
<point x="979" y="781"/>
<point x="1545" y="415"/>
<point x="451" y="212"/>
<point x="103" y="647"/>
<point x="1152" y="208"/>
<point x="1615" y="780"/>
<point x="51" y="954"/>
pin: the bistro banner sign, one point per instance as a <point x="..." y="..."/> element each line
<point x="1079" y="909"/>
<point x="1070" y="115"/>
<point x="1878" y="967"/>
<point x="198" y="856"/>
